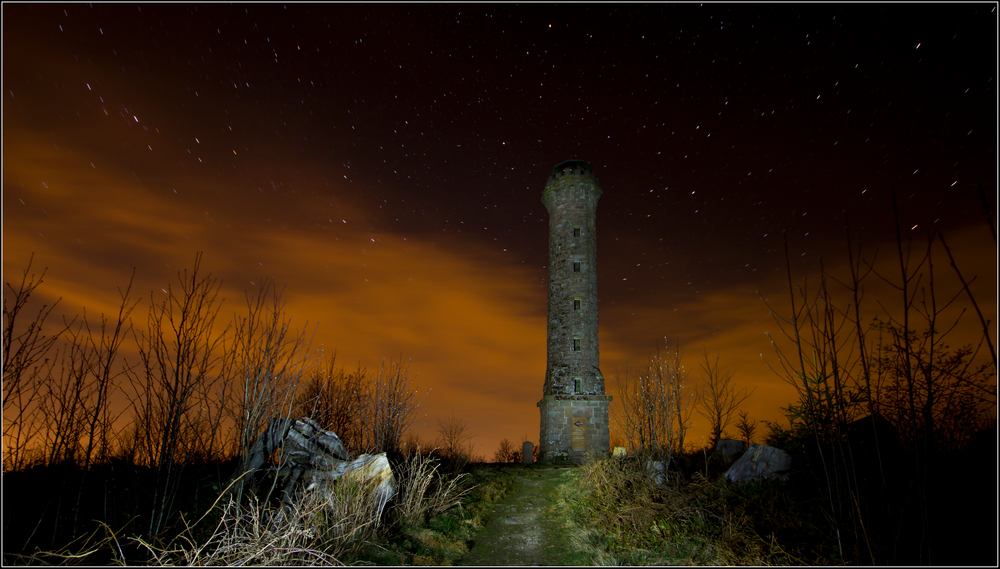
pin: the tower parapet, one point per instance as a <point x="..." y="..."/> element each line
<point x="574" y="166"/>
<point x="574" y="407"/>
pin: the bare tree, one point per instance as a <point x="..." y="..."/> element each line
<point x="683" y="400"/>
<point x="270" y="359"/>
<point x="387" y="408"/>
<point x="719" y="398"/>
<point x="331" y="398"/>
<point x="215" y="441"/>
<point x="105" y="347"/>
<point x="178" y="356"/>
<point x="953" y="395"/>
<point x="96" y="417"/>
<point x="651" y="417"/>
<point x="455" y="441"/>
<point x="60" y="402"/>
<point x="27" y="366"/>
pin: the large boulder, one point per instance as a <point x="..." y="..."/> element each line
<point x="313" y="457"/>
<point x="371" y="471"/>
<point x="760" y="462"/>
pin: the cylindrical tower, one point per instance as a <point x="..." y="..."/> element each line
<point x="574" y="408"/>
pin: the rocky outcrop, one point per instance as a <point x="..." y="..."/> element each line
<point x="313" y="457"/>
<point x="760" y="462"/>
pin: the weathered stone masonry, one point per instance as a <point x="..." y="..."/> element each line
<point x="574" y="408"/>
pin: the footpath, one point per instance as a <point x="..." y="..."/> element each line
<point x="524" y="527"/>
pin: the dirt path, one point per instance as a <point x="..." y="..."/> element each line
<point x="523" y="528"/>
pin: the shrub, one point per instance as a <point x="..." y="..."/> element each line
<point x="506" y="452"/>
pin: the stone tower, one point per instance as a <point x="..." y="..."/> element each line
<point x="574" y="408"/>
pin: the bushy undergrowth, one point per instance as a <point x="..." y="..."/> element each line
<point x="331" y="523"/>
<point x="326" y="523"/>
<point x="431" y="520"/>
<point x="621" y="516"/>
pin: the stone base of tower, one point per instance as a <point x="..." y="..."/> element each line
<point x="574" y="427"/>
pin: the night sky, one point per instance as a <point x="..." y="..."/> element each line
<point x="385" y="164"/>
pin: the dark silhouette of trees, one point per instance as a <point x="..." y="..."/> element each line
<point x="506" y="452"/>
<point x="331" y="397"/>
<point x="372" y="410"/>
<point x="454" y="441"/>
<point x="179" y="355"/>
<point x="199" y="393"/>
<point x="718" y="399"/>
<point x="897" y="371"/>
<point x="98" y="418"/>
<point x="29" y="360"/>
<point x="746" y="428"/>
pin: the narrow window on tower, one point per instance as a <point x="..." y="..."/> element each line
<point x="577" y="303"/>
<point x="576" y="344"/>
<point x="578" y="384"/>
<point x="576" y="266"/>
<point x="576" y="231"/>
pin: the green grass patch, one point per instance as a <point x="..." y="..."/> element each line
<point x="445" y="537"/>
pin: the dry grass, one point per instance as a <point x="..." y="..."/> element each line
<point x="86" y="550"/>
<point x="332" y="523"/>
<point x="255" y="534"/>
<point x="622" y="488"/>
<point x="621" y="516"/>
<point x="423" y="491"/>
<point x="325" y="524"/>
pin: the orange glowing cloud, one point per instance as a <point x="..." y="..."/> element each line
<point x="471" y="319"/>
<point x="469" y="316"/>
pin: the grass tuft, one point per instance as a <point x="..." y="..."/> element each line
<point x="620" y="515"/>
<point x="423" y="492"/>
<point x="326" y="523"/>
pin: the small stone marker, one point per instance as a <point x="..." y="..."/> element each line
<point x="527" y="452"/>
<point x="619" y="452"/>
<point x="657" y="470"/>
